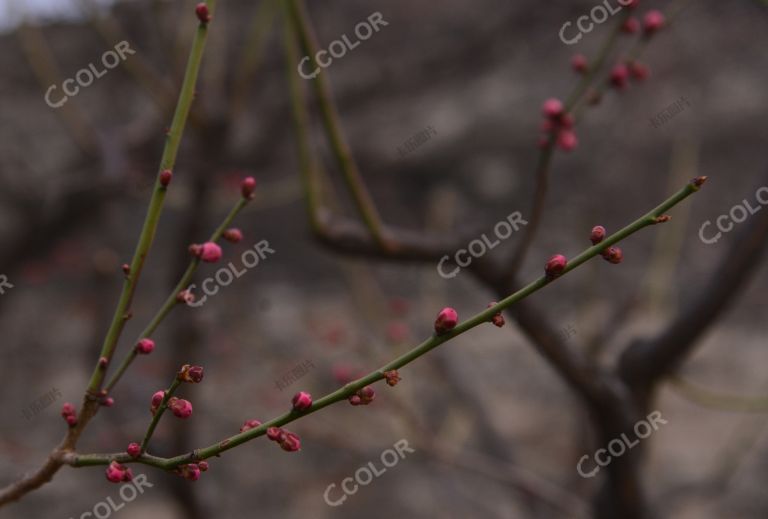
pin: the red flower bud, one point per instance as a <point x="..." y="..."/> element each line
<point x="210" y="252"/>
<point x="653" y="21"/>
<point x="185" y="296"/>
<point x="126" y="269"/>
<point x="555" y="266"/>
<point x="302" y="401"/>
<point x="203" y="465"/>
<point x="552" y="108"/>
<point x="107" y="402"/>
<point x="446" y="320"/>
<point x="165" y="177"/>
<point x="619" y="76"/>
<point x="145" y="346"/>
<point x="250" y="424"/>
<point x="567" y="141"/>
<point x="579" y="63"/>
<point x="133" y="450"/>
<point x="117" y="473"/>
<point x="181" y="408"/>
<point x="103" y="362"/>
<point x="393" y="377"/>
<point x="190" y="471"/>
<point x="630" y="26"/>
<point x="202" y="12"/>
<point x="363" y="397"/>
<point x="290" y="442"/>
<point x="233" y="235"/>
<point x="157" y="399"/>
<point x="613" y="255"/>
<point x="71" y="420"/>
<point x="598" y="234"/>
<point x="191" y="374"/>
<point x="274" y="433"/>
<point x="247" y="186"/>
<point x="67" y="409"/>
<point x="497" y="319"/>
<point x="639" y="71"/>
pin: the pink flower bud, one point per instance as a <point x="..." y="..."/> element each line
<point x="126" y="269"/>
<point x="567" y="141"/>
<point x="191" y="471"/>
<point x="128" y="475"/>
<point x="497" y="319"/>
<point x="446" y="320"/>
<point x="597" y="235"/>
<point x="185" y="296"/>
<point x="71" y="420"/>
<point x="145" y="346"/>
<point x="653" y="21"/>
<point x="630" y="26"/>
<point x="133" y="450"/>
<point x="165" y="177"/>
<point x="202" y="12"/>
<point x="233" y="235"/>
<point x="247" y="186"/>
<point x="301" y="401"/>
<point x="250" y="424"/>
<point x="613" y="255"/>
<point x="181" y="408"/>
<point x="555" y="266"/>
<point x="363" y="397"/>
<point x="103" y="362"/>
<point x="157" y="399"/>
<point x="552" y="108"/>
<point x="67" y="409"/>
<point x="115" y="472"/>
<point x="290" y="442"/>
<point x="274" y="433"/>
<point x="107" y="402"/>
<point x="632" y="4"/>
<point x="191" y="374"/>
<point x="203" y="465"/>
<point x="639" y="71"/>
<point x="619" y="76"/>
<point x="392" y="377"/>
<point x="210" y="252"/>
<point x="579" y="63"/>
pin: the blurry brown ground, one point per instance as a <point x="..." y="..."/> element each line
<point x="476" y="72"/>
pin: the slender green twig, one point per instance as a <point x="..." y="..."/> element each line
<point x="167" y="162"/>
<point x="172" y="300"/>
<point x="434" y="341"/>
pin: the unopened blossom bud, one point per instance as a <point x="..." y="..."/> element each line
<point x="233" y="235"/>
<point x="103" y="362"/>
<point x="247" y="186"/>
<point x="250" y="424"/>
<point x="115" y="472"/>
<point x="566" y="140"/>
<point x="446" y="320"/>
<point x="157" y="399"/>
<point x="165" y="177"/>
<point x="579" y="63"/>
<point x="662" y="219"/>
<point x="71" y="420"/>
<point x="191" y="374"/>
<point x="597" y="235"/>
<point x="613" y="255"/>
<point x="631" y="25"/>
<point x="107" y="402"/>
<point x="195" y="250"/>
<point x="290" y="442"/>
<point x="203" y="465"/>
<point x="191" y="471"/>
<point x="133" y="450"/>
<point x="181" y="408"/>
<point x="128" y="475"/>
<point x="274" y="433"/>
<point x="67" y="409"/>
<point x="555" y="266"/>
<point x="497" y="319"/>
<point x="301" y="401"/>
<point x="552" y="108"/>
<point x="185" y="296"/>
<point x="145" y="346"/>
<point x="202" y="12"/>
<point x="619" y="76"/>
<point x="632" y="4"/>
<point x="126" y="269"/>
<point x="653" y="21"/>
<point x="392" y="377"/>
<point x="210" y="252"/>
<point x="363" y="397"/>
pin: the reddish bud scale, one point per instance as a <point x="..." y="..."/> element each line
<point x="203" y="465"/>
<point x="555" y="266"/>
<point x="165" y="177"/>
<point x="103" y="362"/>
<point x="301" y="401"/>
<point x="233" y="235"/>
<point x="613" y="255"/>
<point x="497" y="319"/>
<point x="392" y="377"/>
<point x="250" y="424"/>
<point x="446" y="320"/>
<point x="191" y="374"/>
<point x="202" y="12"/>
<point x="126" y="269"/>
<point x="185" y="296"/>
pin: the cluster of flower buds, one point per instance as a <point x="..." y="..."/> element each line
<point x="610" y="254"/>
<point x="117" y="473"/>
<point x="555" y="266"/>
<point x="232" y="235"/>
<point x="247" y="187"/>
<point x="106" y="401"/>
<point x="622" y="72"/>
<point x="364" y="396"/>
<point x="558" y="124"/>
<point x="392" y="377"/>
<point x="301" y="401"/>
<point x="185" y="296"/>
<point x="145" y="346"/>
<point x="497" y="319"/>
<point x="446" y="321"/>
<point x="133" y="450"/>
<point x="250" y="424"/>
<point x="288" y="441"/>
<point x="192" y="471"/>
<point x="208" y="252"/>
<point x="191" y="374"/>
<point x="69" y="413"/>
<point x="202" y="12"/>
<point x="179" y="407"/>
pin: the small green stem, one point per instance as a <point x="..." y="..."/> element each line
<point x="159" y="413"/>
<point x="350" y="389"/>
